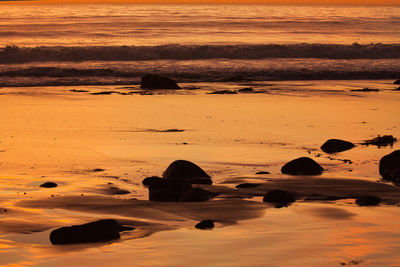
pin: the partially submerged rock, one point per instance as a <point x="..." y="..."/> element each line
<point x="336" y="145"/>
<point x="302" y="166"/>
<point x="168" y="190"/>
<point x="263" y="172"/>
<point x="98" y="231"/>
<point x="151" y="81"/>
<point x="48" y="185"/>
<point x="280" y="197"/>
<point x="379" y="141"/>
<point x="368" y="200"/>
<point x="186" y="170"/>
<point x="196" y="195"/>
<point x="206" y="224"/>
<point x="389" y="167"/>
<point x="397" y="81"/>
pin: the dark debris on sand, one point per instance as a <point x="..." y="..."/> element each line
<point x="365" y="90"/>
<point x="386" y="140"/>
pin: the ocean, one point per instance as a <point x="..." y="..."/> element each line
<point x="116" y="44"/>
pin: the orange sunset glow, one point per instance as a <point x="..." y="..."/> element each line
<point x="199" y="133"/>
<point x="258" y="2"/>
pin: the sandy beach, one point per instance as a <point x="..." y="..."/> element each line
<point x="94" y="146"/>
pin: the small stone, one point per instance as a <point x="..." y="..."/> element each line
<point x="206" y="224"/>
<point x="247" y="185"/>
<point x="368" y="201"/>
<point x="48" y="185"/>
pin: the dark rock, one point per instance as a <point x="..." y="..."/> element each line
<point x="279" y="196"/>
<point x="302" y="166"/>
<point x="168" y="190"/>
<point x="151" y="180"/>
<point x="105" y="93"/>
<point x="196" y="195"/>
<point x="78" y="91"/>
<point x="200" y="180"/>
<point x="206" y="224"/>
<point x="368" y="200"/>
<point x="381" y="141"/>
<point x="263" y="172"/>
<point x="118" y="191"/>
<point x="151" y="81"/>
<point x="247" y="185"/>
<point x="98" y="231"/>
<point x="397" y="81"/>
<point x="365" y="90"/>
<point x="97" y="170"/>
<point x="247" y="89"/>
<point x="172" y="131"/>
<point x="389" y="167"/>
<point x="223" y="92"/>
<point x="48" y="185"/>
<point x="336" y="145"/>
<point x="183" y="169"/>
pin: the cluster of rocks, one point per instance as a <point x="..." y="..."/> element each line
<point x="176" y="183"/>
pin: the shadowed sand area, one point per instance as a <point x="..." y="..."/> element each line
<point x="98" y="149"/>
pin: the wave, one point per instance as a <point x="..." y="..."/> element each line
<point x="53" y="76"/>
<point x="15" y="54"/>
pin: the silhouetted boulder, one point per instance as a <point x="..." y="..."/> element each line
<point x="151" y="81"/>
<point x="389" y="167"/>
<point x="247" y="185"/>
<point x="368" y="200"/>
<point x="336" y="145"/>
<point x="200" y="180"/>
<point x="206" y="224"/>
<point x="196" y="195"/>
<point x="379" y="141"/>
<point x="302" y="166"/>
<point x="98" y="231"/>
<point x="168" y="190"/>
<point x="183" y="169"/>
<point x="397" y="81"/>
<point x="48" y="185"/>
<point x="151" y="180"/>
<point x="280" y="197"/>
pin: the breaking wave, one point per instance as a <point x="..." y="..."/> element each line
<point x="15" y="54"/>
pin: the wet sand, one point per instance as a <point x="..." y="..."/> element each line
<point x="93" y="146"/>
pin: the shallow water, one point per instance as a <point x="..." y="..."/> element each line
<point x="53" y="134"/>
